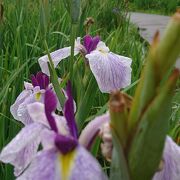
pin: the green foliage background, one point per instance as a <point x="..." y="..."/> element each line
<point x="21" y="45"/>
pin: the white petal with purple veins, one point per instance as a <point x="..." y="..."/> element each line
<point x="20" y="99"/>
<point x="42" y="168"/>
<point x="171" y="162"/>
<point x="20" y="151"/>
<point x="112" y="72"/>
<point x="56" y="56"/>
<point x="86" y="167"/>
<point x="22" y="112"/>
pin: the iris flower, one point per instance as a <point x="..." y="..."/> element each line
<point x="112" y="71"/>
<point x="62" y="156"/>
<point x="33" y="92"/>
<point x="20" y="153"/>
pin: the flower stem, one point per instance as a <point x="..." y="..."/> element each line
<point x="54" y="78"/>
<point x="72" y="42"/>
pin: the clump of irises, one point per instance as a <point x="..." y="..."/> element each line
<point x="52" y="145"/>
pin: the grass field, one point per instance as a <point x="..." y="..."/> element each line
<point x="21" y="44"/>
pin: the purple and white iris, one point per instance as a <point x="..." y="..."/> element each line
<point x="33" y="93"/>
<point x="62" y="156"/>
<point x="112" y="71"/>
<point x="20" y="153"/>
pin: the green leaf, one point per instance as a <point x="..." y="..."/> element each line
<point x="86" y="102"/>
<point x="75" y="11"/>
<point x="119" y="168"/>
<point x="147" y="146"/>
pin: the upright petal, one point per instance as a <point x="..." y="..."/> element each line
<point x="90" y="43"/>
<point x="86" y="167"/>
<point x="69" y="112"/>
<point x="43" y="167"/>
<point x="43" y="80"/>
<point x="171" y="162"/>
<point x="50" y="103"/>
<point x="112" y="72"/>
<point x="92" y="129"/>
<point x="20" y="151"/>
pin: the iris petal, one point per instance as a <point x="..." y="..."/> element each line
<point x="112" y="72"/>
<point x="50" y="103"/>
<point x="20" y="151"/>
<point x="42" y="168"/>
<point x="86" y="167"/>
<point x="90" y="43"/>
<point x="90" y="131"/>
<point x="171" y="162"/>
<point x="56" y="56"/>
<point x="69" y="112"/>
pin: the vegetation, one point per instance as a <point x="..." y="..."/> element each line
<point x="21" y="44"/>
<point x="155" y="6"/>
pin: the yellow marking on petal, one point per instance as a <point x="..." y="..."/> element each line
<point x="67" y="162"/>
<point x="38" y="96"/>
<point x="102" y="51"/>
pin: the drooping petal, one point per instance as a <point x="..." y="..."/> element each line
<point x="69" y="112"/>
<point x="20" y="99"/>
<point x="112" y="72"/>
<point x="20" y="151"/>
<point x="22" y="112"/>
<point x="86" y="167"/>
<point x="56" y="56"/>
<point x="92" y="129"/>
<point x="171" y="162"/>
<point x="42" y="168"/>
<point x="50" y="103"/>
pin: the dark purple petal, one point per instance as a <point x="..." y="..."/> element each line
<point x="87" y="41"/>
<point x="34" y="81"/>
<point x="39" y="77"/>
<point x="46" y="81"/>
<point x="69" y="112"/>
<point x="50" y="106"/>
<point x="65" y="144"/>
<point x="90" y="43"/>
<point x="94" y="43"/>
<point x="41" y="80"/>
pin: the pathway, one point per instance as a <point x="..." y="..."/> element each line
<point x="149" y="24"/>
